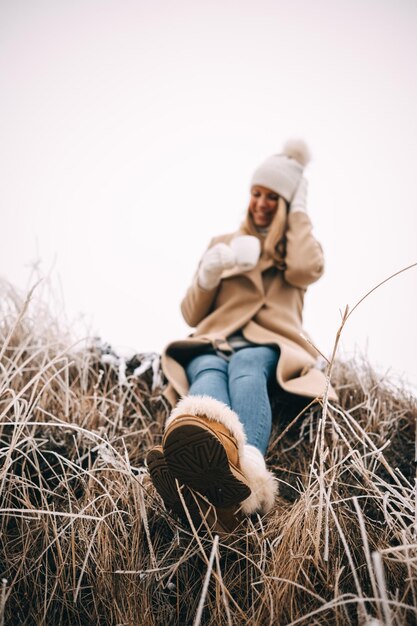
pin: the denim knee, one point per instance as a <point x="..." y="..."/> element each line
<point x="253" y="361"/>
<point x="204" y="363"/>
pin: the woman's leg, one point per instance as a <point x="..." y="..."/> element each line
<point x="207" y="375"/>
<point x="204" y="446"/>
<point x="249" y="372"/>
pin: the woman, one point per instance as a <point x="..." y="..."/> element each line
<point x="248" y="328"/>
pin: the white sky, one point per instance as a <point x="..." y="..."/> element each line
<point x="130" y="130"/>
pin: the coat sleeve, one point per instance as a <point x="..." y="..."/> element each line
<point x="304" y="256"/>
<point x="197" y="302"/>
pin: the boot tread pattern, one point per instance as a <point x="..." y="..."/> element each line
<point x="197" y="458"/>
<point x="164" y="482"/>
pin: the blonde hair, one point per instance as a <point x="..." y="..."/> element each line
<point x="274" y="244"/>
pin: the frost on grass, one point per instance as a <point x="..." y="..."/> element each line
<point x="86" y="540"/>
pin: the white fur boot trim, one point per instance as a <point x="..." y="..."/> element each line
<point x="206" y="406"/>
<point x="262" y="482"/>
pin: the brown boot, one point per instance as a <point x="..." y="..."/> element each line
<point x="202" y="441"/>
<point x="203" y="455"/>
<point x="205" y="448"/>
<point x="203" y="515"/>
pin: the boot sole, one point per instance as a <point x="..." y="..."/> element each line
<point x="165" y="484"/>
<point x="198" y="459"/>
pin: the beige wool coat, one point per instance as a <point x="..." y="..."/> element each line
<point x="266" y="304"/>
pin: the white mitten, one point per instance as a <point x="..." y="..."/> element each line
<point x="218" y="258"/>
<point x="299" y="201"/>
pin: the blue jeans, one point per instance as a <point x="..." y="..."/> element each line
<point x="241" y="383"/>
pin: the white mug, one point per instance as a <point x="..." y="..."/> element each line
<point x="247" y="250"/>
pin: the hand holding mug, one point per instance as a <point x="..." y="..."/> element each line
<point x="217" y="258"/>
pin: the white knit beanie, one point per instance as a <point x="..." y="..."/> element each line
<point x="282" y="172"/>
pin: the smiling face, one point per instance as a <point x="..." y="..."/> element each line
<point x="263" y="205"/>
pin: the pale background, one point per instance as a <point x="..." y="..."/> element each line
<point x="130" y="130"/>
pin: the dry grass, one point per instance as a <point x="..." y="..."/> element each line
<point x="85" y="538"/>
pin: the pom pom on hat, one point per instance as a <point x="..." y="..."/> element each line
<point x="297" y="149"/>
